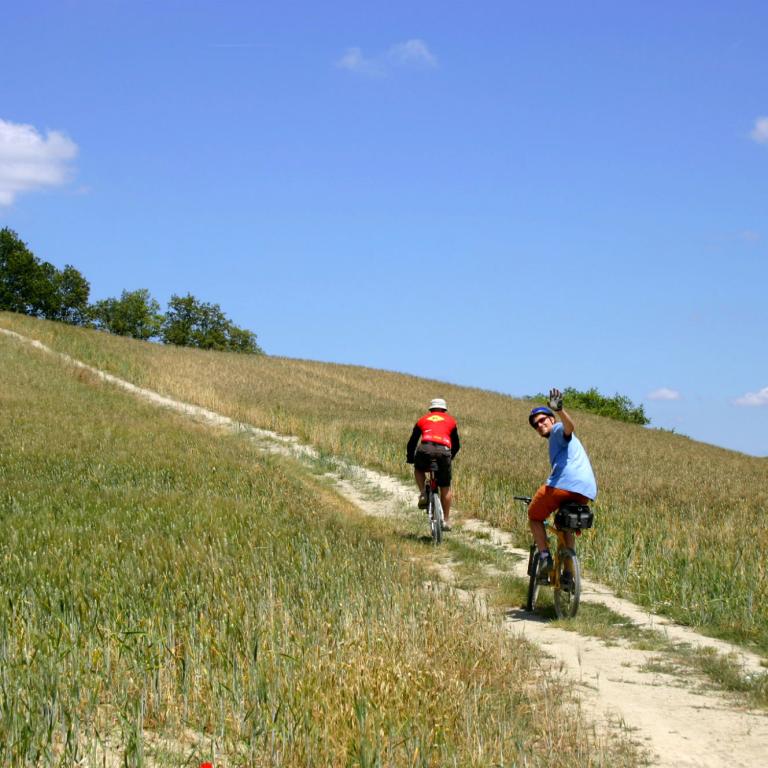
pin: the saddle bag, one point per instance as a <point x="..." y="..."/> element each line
<point x="574" y="517"/>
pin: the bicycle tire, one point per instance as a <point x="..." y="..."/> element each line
<point x="567" y="600"/>
<point x="533" y="584"/>
<point x="436" y="518"/>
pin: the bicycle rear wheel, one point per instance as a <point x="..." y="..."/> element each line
<point x="435" y="518"/>
<point x="568" y="590"/>
<point x="533" y="584"/>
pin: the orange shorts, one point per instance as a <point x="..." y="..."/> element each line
<point x="548" y="500"/>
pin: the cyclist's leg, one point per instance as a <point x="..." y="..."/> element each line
<point x="420" y="467"/>
<point x="446" y="497"/>
<point x="444" y="482"/>
<point x="546" y="501"/>
<point x="421" y="478"/>
<point x="541" y="507"/>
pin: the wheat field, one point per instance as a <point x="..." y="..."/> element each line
<point x="169" y="594"/>
<point x="679" y="523"/>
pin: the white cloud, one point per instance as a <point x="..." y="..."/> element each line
<point x="354" y="61"/>
<point x="760" y="131"/>
<point x="664" y="393"/>
<point x="753" y="398"/>
<point x="31" y="161"/>
<point x="409" y="54"/>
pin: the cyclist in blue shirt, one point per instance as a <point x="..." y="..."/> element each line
<point x="571" y="479"/>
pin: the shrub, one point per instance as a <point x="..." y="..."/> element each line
<point x="618" y="407"/>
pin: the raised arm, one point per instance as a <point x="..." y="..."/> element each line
<point x="567" y="423"/>
<point x="556" y="404"/>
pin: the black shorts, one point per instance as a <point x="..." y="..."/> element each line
<point x="424" y="455"/>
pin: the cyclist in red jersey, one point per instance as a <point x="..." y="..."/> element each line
<point x="439" y="437"/>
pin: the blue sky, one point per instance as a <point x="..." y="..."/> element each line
<point x="507" y="195"/>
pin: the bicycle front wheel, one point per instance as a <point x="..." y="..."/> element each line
<point x="568" y="590"/>
<point x="436" y="519"/>
<point x="533" y="583"/>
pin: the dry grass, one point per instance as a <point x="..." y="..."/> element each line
<point x="680" y="523"/>
<point x="169" y="594"/>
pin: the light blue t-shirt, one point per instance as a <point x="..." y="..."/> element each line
<point x="571" y="470"/>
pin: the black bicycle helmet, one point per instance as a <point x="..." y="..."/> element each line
<point x="536" y="411"/>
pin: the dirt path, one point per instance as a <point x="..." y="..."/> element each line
<point x="669" y="714"/>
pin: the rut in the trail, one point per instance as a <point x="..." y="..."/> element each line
<point x="669" y="714"/>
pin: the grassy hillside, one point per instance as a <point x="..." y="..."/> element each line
<point x="169" y="594"/>
<point x="680" y="524"/>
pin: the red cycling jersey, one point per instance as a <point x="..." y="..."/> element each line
<point x="436" y="428"/>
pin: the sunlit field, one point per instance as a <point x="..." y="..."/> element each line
<point x="680" y="524"/>
<point x="169" y="595"/>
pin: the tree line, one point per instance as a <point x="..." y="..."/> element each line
<point x="37" y="288"/>
<point x="618" y="407"/>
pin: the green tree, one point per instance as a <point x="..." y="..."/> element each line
<point x="37" y="288"/>
<point x="26" y="285"/>
<point x="192" y="323"/>
<point x="72" y="292"/>
<point x="134" y="314"/>
<point x="242" y="340"/>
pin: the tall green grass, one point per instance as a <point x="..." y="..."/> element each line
<point x="680" y="524"/>
<point x="168" y="594"/>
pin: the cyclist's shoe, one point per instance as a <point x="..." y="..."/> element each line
<point x="566" y="581"/>
<point x="422" y="501"/>
<point x="446" y="525"/>
<point x="545" y="568"/>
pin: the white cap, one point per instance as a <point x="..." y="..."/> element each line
<point x="438" y="402"/>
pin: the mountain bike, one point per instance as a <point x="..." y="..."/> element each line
<point x="565" y="577"/>
<point x="434" y="505"/>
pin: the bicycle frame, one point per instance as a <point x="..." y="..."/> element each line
<point x="557" y="559"/>
<point x="564" y="560"/>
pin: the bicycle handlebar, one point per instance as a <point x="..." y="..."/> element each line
<point x="526" y="499"/>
